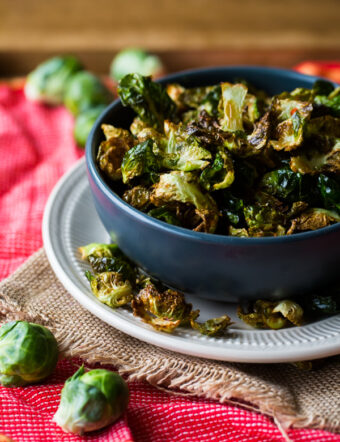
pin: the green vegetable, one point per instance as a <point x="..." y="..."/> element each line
<point x="274" y="315"/>
<point x="211" y="327"/>
<point x="220" y="174"/>
<point x="182" y="187"/>
<point x="331" y="102"/>
<point x="163" y="214"/>
<point x="163" y="310"/>
<point x="140" y="160"/>
<point x="233" y="96"/>
<point x="227" y="159"/>
<point x="110" y="288"/>
<point x="84" y="123"/>
<point x="329" y="189"/>
<point x="28" y="353"/>
<point x="134" y="60"/>
<point x="85" y="91"/>
<point x="47" y="83"/>
<point x="149" y="100"/>
<point x="91" y="400"/>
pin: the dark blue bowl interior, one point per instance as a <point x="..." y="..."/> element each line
<point x="215" y="266"/>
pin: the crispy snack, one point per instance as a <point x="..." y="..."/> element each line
<point x="228" y="158"/>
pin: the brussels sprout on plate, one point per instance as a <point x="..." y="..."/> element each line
<point x="85" y="91"/>
<point x="47" y="83"/>
<point x="28" y="353"/>
<point x="135" y="60"/>
<point x="91" y="400"/>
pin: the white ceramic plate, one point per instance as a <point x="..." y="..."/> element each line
<point x="70" y="220"/>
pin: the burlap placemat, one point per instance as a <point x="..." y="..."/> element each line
<point x="292" y="397"/>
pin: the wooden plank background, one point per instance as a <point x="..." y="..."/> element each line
<point x="186" y="33"/>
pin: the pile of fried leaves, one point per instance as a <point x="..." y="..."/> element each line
<point x="117" y="282"/>
<point x="228" y="158"/>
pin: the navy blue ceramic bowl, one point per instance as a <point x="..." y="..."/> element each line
<point x="215" y="266"/>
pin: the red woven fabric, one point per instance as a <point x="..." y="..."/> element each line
<point x="36" y="148"/>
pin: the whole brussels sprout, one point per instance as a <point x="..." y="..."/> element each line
<point x="85" y="91"/>
<point x="84" y="123"/>
<point x="28" y="353"/>
<point x="48" y="81"/>
<point x="92" y="400"/>
<point x="134" y="60"/>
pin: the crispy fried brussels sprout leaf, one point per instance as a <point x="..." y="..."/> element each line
<point x="140" y="160"/>
<point x="148" y="99"/>
<point x="138" y="197"/>
<point x="314" y="162"/>
<point x="179" y="151"/>
<point x="274" y="315"/>
<point x="111" y="151"/>
<point x="325" y="125"/>
<point x="109" y="258"/>
<point x="29" y="353"/>
<point x="220" y="174"/>
<point x="91" y="400"/>
<point x="329" y="189"/>
<point x="200" y="98"/>
<point x="110" y="288"/>
<point x="134" y="60"/>
<point x="183" y="187"/>
<point x="291" y="116"/>
<point x="331" y="102"/>
<point x="163" y="311"/>
<point x="264" y="219"/>
<point x="239" y="232"/>
<point x="231" y="207"/>
<point x="48" y="81"/>
<point x="84" y="123"/>
<point x="98" y="250"/>
<point x="290" y="310"/>
<point x="211" y="327"/>
<point x="164" y="214"/>
<point x="313" y="219"/>
<point x="322" y="87"/>
<point x="84" y="91"/>
<point x="284" y="183"/>
<point x="233" y="100"/>
<point x="321" y="305"/>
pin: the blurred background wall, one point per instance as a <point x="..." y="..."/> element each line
<point x="186" y="33"/>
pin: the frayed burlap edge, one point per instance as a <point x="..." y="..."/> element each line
<point x="33" y="293"/>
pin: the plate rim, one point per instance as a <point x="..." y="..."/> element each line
<point x="174" y="343"/>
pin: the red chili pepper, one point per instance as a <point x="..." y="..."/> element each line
<point x="292" y="112"/>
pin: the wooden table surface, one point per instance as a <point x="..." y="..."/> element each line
<point x="185" y="33"/>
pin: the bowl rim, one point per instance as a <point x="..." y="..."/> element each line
<point x="182" y="231"/>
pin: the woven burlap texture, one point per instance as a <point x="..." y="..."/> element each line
<point x="292" y="397"/>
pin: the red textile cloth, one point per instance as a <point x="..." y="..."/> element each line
<point x="37" y="147"/>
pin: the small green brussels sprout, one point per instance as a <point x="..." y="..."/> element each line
<point x="47" y="83"/>
<point x="91" y="400"/>
<point x="84" y="91"/>
<point x="84" y="123"/>
<point x="135" y="60"/>
<point x="28" y="353"/>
